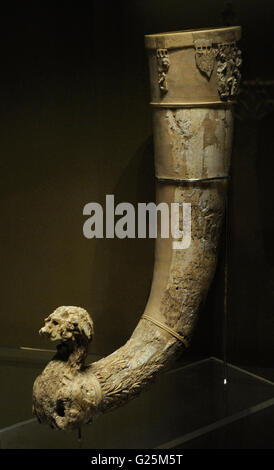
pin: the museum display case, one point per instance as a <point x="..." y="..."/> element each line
<point x="202" y="404"/>
<point x="207" y="324"/>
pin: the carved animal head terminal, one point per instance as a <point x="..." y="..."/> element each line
<point x="68" y="324"/>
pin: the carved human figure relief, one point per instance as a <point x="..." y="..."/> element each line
<point x="163" y="67"/>
<point x="229" y="60"/>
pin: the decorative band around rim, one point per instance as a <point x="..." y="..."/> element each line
<point x="201" y="104"/>
<point x="186" y="38"/>
<point x="192" y="180"/>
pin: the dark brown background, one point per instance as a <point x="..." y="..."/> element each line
<point x="75" y="126"/>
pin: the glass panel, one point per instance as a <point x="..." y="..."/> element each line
<point x="183" y="405"/>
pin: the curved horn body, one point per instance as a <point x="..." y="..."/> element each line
<point x="194" y="78"/>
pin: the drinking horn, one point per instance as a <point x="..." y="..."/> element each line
<point x="194" y="77"/>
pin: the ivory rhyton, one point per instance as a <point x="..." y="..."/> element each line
<point x="194" y="79"/>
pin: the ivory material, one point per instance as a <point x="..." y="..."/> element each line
<point x="189" y="143"/>
<point x="198" y="142"/>
<point x="185" y="80"/>
<point x="186" y="38"/>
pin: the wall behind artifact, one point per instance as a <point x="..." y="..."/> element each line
<point x="75" y="127"/>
